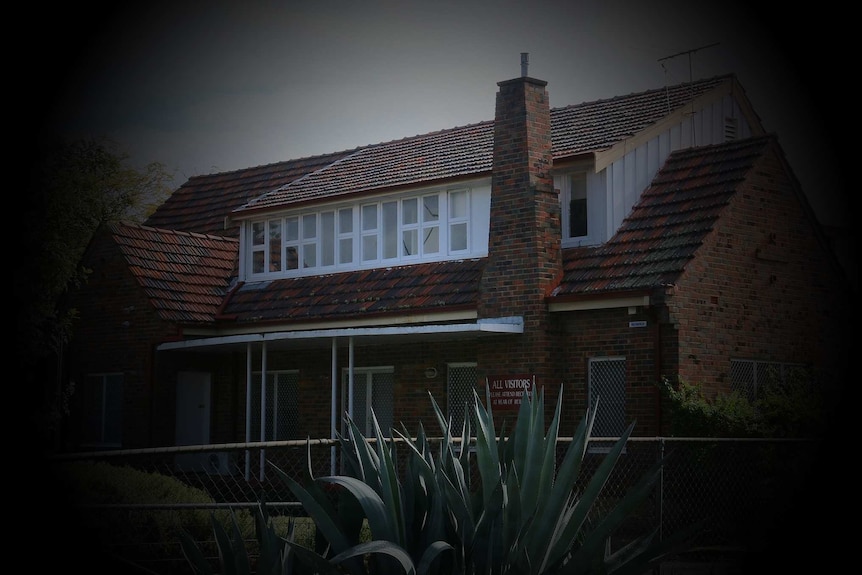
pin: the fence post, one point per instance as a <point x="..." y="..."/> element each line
<point x="661" y="491"/>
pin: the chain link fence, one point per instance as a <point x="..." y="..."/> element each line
<point x="735" y="485"/>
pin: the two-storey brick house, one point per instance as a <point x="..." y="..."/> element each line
<point x="593" y="248"/>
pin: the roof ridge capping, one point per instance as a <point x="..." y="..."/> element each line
<point x="717" y="79"/>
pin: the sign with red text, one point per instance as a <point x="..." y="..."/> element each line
<point x="506" y="391"/>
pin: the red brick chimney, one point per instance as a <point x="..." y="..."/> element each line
<point x="524" y="260"/>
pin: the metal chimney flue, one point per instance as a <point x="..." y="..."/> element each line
<point x="525" y="62"/>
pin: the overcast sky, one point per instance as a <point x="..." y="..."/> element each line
<point x="214" y="86"/>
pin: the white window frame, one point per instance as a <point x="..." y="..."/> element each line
<point x="595" y="206"/>
<point x="302" y="234"/>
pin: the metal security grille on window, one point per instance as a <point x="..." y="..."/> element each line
<point x="372" y="390"/>
<point x="749" y="377"/>
<point x="608" y="386"/>
<point x="459" y="395"/>
<point x="281" y="413"/>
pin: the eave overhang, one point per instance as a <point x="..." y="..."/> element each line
<point x="371" y="335"/>
<point x="581" y="302"/>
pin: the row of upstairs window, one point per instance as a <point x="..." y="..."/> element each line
<point x="406" y="229"/>
<point x="389" y="231"/>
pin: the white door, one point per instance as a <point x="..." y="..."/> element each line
<point x="193" y="415"/>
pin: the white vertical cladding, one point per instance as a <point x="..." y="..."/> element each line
<point x="628" y="176"/>
<point x="245" y="241"/>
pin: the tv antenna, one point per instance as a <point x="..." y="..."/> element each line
<point x="687" y="53"/>
<point x="690" y="78"/>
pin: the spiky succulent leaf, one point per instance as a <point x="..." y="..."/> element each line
<point x="379" y="547"/>
<point x="323" y="515"/>
<point x="390" y="488"/>
<point x="193" y="554"/>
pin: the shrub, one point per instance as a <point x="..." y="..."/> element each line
<point x="102" y="484"/>
<point x="794" y="408"/>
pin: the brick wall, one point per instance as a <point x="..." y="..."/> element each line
<point x="606" y="333"/>
<point x="116" y="332"/>
<point x="761" y="287"/>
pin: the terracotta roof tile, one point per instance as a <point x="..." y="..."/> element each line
<point x="668" y="224"/>
<point x="468" y="150"/>
<point x="421" y="287"/>
<point x="185" y="275"/>
<point x="202" y="203"/>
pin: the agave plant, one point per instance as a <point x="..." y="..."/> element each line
<point x="523" y="515"/>
<point x="274" y="557"/>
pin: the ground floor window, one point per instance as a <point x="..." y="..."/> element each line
<point x="372" y="393"/>
<point x="103" y="409"/>
<point x="460" y="383"/>
<point x="749" y="376"/>
<point x="606" y="381"/>
<point x="281" y="410"/>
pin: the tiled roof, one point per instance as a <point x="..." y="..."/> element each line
<point x="668" y="224"/>
<point x="468" y="150"/>
<point x="185" y="275"/>
<point x="203" y="202"/>
<point x="416" y="288"/>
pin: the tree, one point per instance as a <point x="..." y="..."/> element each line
<point x="74" y="187"/>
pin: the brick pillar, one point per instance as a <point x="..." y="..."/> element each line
<point x="524" y="260"/>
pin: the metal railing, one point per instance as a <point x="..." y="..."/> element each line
<point x="735" y="485"/>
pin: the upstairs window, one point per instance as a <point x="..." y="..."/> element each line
<point x="578" y="205"/>
<point x="384" y="231"/>
<point x="582" y="207"/>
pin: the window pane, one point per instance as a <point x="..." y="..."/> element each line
<point x="458" y="204"/>
<point x="291" y="229"/>
<point x="381" y="400"/>
<point x="257" y="262"/>
<point x="281" y="416"/>
<point x="578" y="206"/>
<point x="410" y="242"/>
<point x="369" y="248"/>
<point x="458" y="237"/>
<point x="309" y="226"/>
<point x="369" y="217"/>
<point x="345" y="220"/>
<point x="409" y="213"/>
<point x="258" y="232"/>
<point x="431" y="208"/>
<point x="274" y="245"/>
<point x="607" y="379"/>
<point x="431" y="243"/>
<point x="327" y="238"/>
<point x="345" y="251"/>
<point x="390" y="230"/>
<point x="309" y="255"/>
<point x="292" y="259"/>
